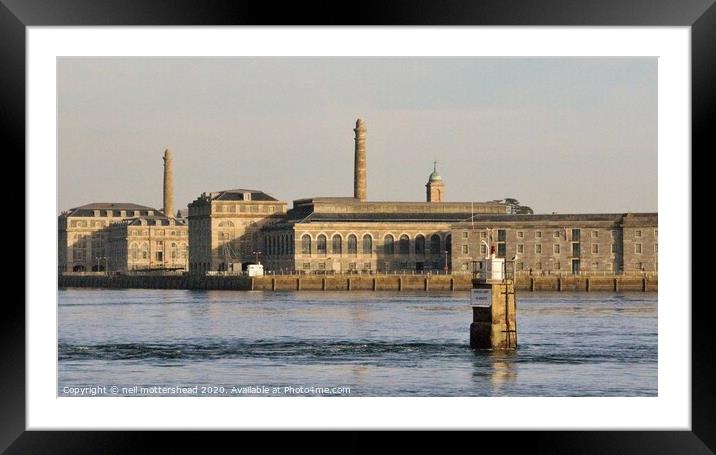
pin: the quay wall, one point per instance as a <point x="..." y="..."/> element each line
<point x="457" y="282"/>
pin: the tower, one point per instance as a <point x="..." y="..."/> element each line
<point x="359" y="185"/>
<point x="168" y="184"/>
<point x="435" y="186"/>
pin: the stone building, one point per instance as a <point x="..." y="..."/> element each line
<point x="335" y="235"/>
<point x="83" y="234"/>
<point x="115" y="236"/>
<point x="148" y="243"/>
<point x="549" y="244"/>
<point x="225" y="228"/>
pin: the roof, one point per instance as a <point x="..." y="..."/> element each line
<point x="160" y="220"/>
<point x="563" y="217"/>
<point x="309" y="216"/>
<point x="238" y="195"/>
<point x="434" y="177"/>
<point x="88" y="209"/>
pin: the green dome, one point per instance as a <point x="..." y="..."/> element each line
<point x="434" y="177"/>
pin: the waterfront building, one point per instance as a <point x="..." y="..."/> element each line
<point x="149" y="243"/>
<point x="590" y="244"/>
<point x="225" y="228"/>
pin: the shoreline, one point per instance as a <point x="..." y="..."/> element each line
<point x="347" y="283"/>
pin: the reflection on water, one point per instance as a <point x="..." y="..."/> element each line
<point x="378" y="344"/>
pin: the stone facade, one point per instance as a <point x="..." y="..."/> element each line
<point x="344" y="235"/>
<point x="561" y="244"/>
<point x="149" y="243"/>
<point x="83" y="234"/>
<point x="225" y="228"/>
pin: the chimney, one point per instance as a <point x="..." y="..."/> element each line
<point x="168" y="185"/>
<point x="359" y="186"/>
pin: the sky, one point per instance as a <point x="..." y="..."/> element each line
<point x="564" y="135"/>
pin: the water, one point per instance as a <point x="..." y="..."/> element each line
<point x="349" y="344"/>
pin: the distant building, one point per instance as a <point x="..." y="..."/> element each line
<point x="83" y="233"/>
<point x="119" y="237"/>
<point x="225" y="228"/>
<point x="148" y="243"/>
<point x="549" y="244"/>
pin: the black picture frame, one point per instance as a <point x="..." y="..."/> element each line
<point x="16" y="15"/>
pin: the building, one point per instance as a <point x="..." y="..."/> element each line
<point x="549" y="244"/>
<point x="148" y="243"/>
<point x="225" y="228"/>
<point x="120" y="237"/>
<point x="83" y="233"/>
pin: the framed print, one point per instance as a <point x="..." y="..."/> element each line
<point x="257" y="220"/>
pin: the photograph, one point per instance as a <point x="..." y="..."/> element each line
<point x="357" y="226"/>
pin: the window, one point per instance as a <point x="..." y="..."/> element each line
<point x="321" y="266"/>
<point x="483" y="249"/>
<point x="656" y="248"/>
<point x="351" y="266"/>
<point x="306" y="244"/>
<point x="160" y="256"/>
<point x="483" y="235"/>
<point x="576" y="233"/>
<point x="501" y="250"/>
<point x="501" y="235"/>
<point x="595" y="248"/>
<point x="656" y="233"/>
<point x="435" y="244"/>
<point x="538" y="234"/>
<point x="614" y="248"/>
<point x="337" y="244"/>
<point x="464" y="266"/>
<point x="134" y="252"/>
<point x="637" y="248"/>
<point x="595" y="266"/>
<point x="538" y="249"/>
<point x="575" y="249"/>
<point x="464" y="234"/>
<point x="637" y="233"/>
<point x="465" y="249"/>
<point x="145" y="251"/>
<point x="404" y="244"/>
<point x="419" y="244"/>
<point x="538" y="266"/>
<point x="520" y="248"/>
<point x="520" y="266"/>
<point x="306" y="266"/>
<point x="321" y="244"/>
<point x="520" y="234"/>
<point x="352" y="244"/>
<point x="557" y="265"/>
<point x="595" y="234"/>
<point x="366" y="265"/>
<point x="175" y="252"/>
<point x="388" y="247"/>
<point x="367" y="244"/>
<point x="555" y="248"/>
<point x="555" y="234"/>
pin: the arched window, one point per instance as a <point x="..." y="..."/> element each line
<point x="404" y="244"/>
<point x="419" y="244"/>
<point x="388" y="247"/>
<point x="226" y="223"/>
<point x="352" y="244"/>
<point x="175" y="252"/>
<point x="337" y="244"/>
<point x="306" y="244"/>
<point x="182" y="250"/>
<point x="448" y="243"/>
<point x="145" y="251"/>
<point x="367" y="244"/>
<point x="434" y="244"/>
<point x="321" y="244"/>
<point x="134" y="252"/>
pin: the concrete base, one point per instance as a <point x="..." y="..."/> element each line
<point x="495" y="327"/>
